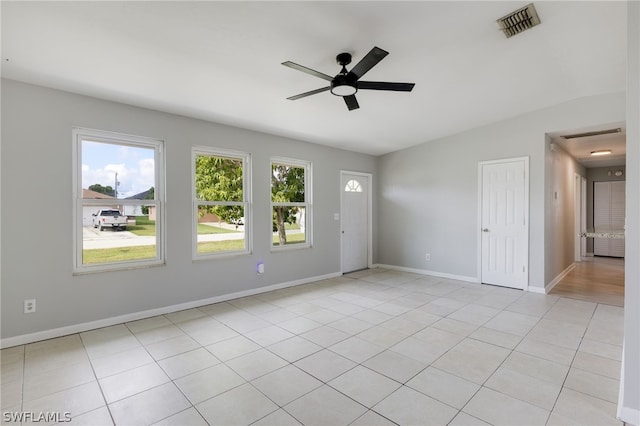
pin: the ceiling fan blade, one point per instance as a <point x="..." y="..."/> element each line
<point x="374" y="56"/>
<point x="305" y="94"/>
<point x="383" y="85"/>
<point x="307" y="70"/>
<point x="352" y="102"/>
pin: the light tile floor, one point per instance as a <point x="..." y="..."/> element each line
<point x="375" y="347"/>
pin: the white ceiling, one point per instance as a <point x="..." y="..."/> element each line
<point x="221" y="61"/>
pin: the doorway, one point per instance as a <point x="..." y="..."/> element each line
<point x="356" y="221"/>
<point x="588" y="165"/>
<point x="599" y="277"/>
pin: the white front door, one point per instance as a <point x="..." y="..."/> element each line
<point x="504" y="222"/>
<point x="355" y="223"/>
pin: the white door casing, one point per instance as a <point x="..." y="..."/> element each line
<point x="504" y="222"/>
<point x="355" y="198"/>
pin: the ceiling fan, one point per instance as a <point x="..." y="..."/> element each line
<point x="347" y="83"/>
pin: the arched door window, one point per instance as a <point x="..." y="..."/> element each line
<point x="353" y="186"/>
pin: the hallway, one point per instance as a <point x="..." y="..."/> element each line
<point x="594" y="279"/>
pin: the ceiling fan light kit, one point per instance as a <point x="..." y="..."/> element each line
<point x="346" y="83"/>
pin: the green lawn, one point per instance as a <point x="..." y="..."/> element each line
<point x="120" y="254"/>
<point x="291" y="239"/>
<point x="232" y="245"/>
<point x="219" y="246"/>
<point x="143" y="227"/>
<point x="147" y="228"/>
<point x="212" y="229"/>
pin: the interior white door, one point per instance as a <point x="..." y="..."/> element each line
<point x="355" y="221"/>
<point x="504" y="223"/>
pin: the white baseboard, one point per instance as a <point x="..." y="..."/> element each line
<point x="630" y="416"/>
<point x="454" y="277"/>
<point x="106" y="322"/>
<point x="430" y="273"/>
<point x="558" y="278"/>
<point x="539" y="290"/>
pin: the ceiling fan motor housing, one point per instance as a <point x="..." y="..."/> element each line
<point x="343" y="59"/>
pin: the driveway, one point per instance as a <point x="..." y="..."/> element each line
<point x="92" y="238"/>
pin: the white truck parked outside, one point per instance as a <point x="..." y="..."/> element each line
<point x="109" y="218"/>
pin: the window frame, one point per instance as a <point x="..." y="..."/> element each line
<point x="79" y="135"/>
<point x="307" y="204"/>
<point x="246" y="203"/>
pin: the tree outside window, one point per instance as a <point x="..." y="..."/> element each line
<point x="290" y="200"/>
<point x="220" y="202"/>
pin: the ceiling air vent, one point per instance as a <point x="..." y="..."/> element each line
<point x="519" y="21"/>
<point x="596" y="133"/>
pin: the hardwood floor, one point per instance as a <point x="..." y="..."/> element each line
<point x="594" y="279"/>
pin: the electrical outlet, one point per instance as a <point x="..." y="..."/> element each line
<point x="427" y="257"/>
<point x="29" y="306"/>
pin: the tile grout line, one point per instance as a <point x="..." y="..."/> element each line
<point x="93" y="370"/>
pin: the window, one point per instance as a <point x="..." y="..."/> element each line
<point x="221" y="197"/>
<point x="118" y="192"/>
<point x="353" y="186"/>
<point x="291" y="203"/>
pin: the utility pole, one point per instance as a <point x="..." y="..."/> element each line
<point x="115" y="190"/>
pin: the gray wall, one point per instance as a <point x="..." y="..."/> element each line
<point x="428" y="194"/>
<point x="561" y="211"/>
<point x="37" y="172"/>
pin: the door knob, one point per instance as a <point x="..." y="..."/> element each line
<point x="485" y="230"/>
